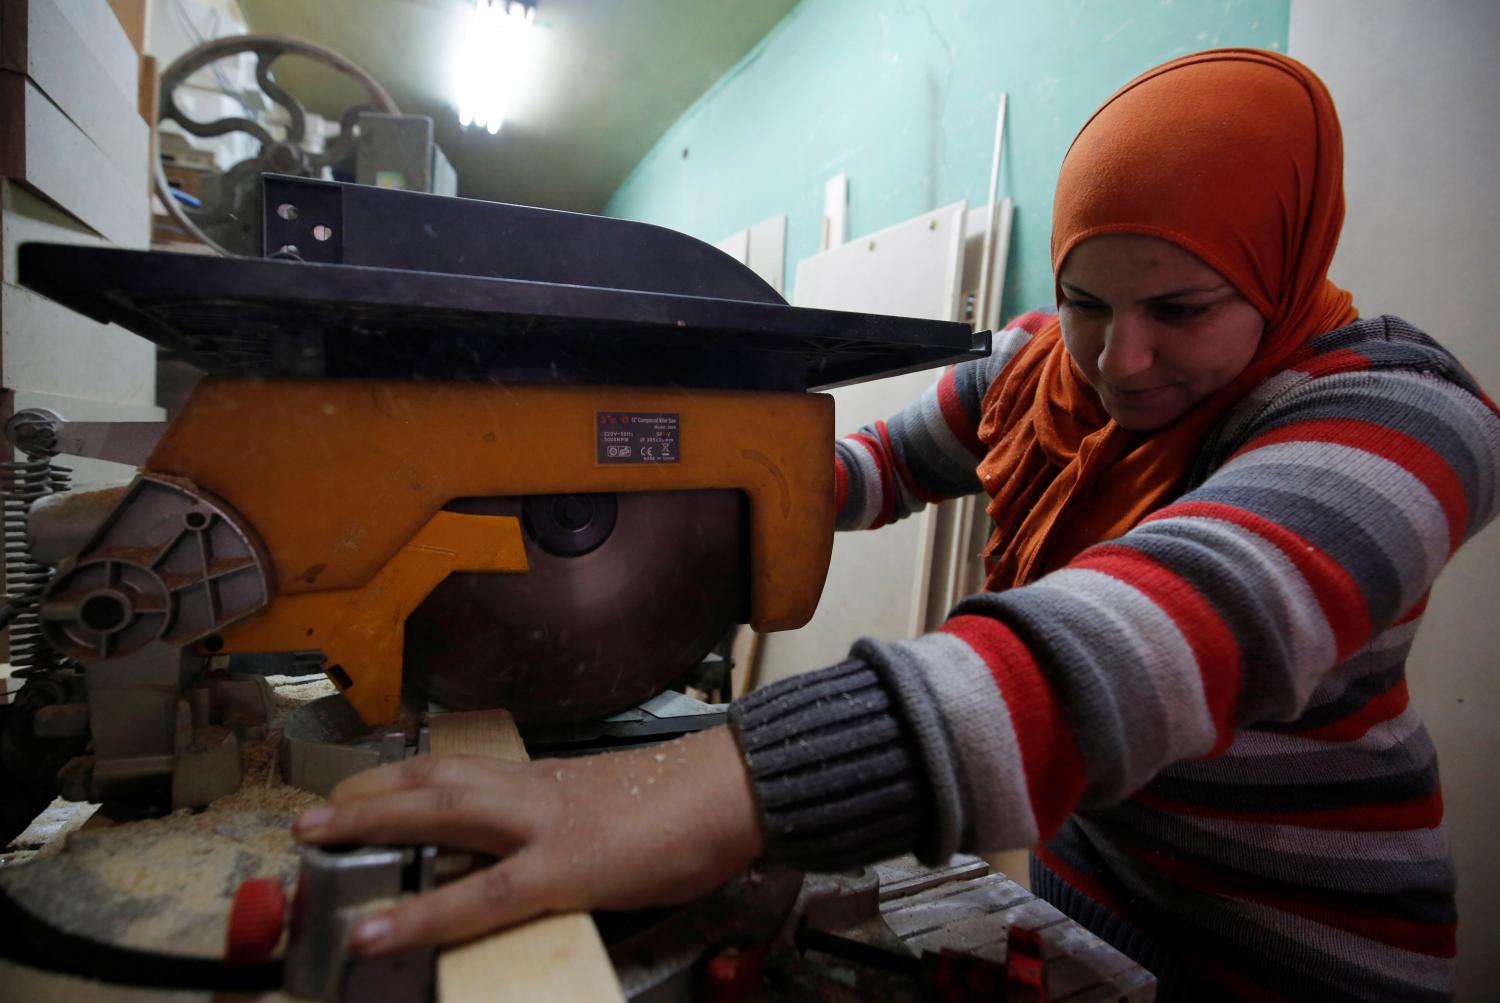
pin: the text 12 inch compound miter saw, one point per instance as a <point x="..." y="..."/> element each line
<point x="496" y="455"/>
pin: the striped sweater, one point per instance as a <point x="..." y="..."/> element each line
<point x="1203" y="724"/>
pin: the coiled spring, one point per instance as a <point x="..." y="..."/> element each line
<point x="22" y="482"/>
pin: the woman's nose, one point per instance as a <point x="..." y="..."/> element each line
<point x="1128" y="349"/>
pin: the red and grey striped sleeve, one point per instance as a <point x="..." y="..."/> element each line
<point x="929" y="450"/>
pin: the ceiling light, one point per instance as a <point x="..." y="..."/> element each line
<point x="494" y="61"/>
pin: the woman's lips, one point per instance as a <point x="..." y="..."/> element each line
<point x="1140" y="398"/>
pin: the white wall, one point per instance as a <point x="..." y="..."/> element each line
<point x="1418" y="88"/>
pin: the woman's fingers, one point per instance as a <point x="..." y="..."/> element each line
<point x="423" y="771"/>
<point x="499" y="895"/>
<point x="469" y="818"/>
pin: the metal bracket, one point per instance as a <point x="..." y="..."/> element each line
<point x="38" y="430"/>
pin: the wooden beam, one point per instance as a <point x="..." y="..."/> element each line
<point x="552" y="958"/>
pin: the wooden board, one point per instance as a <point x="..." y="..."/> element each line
<point x="103" y="36"/>
<point x="762" y="249"/>
<point x="42" y="147"/>
<point x="47" y="48"/>
<point x="50" y="349"/>
<point x="489" y="733"/>
<point x="767" y="254"/>
<point x="835" y="224"/>
<point x="148" y="103"/>
<point x="737" y="246"/>
<point x="552" y="958"/>
<point x="745" y="652"/>
<point x="26" y="216"/>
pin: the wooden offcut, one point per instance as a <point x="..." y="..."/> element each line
<point x="553" y="958"/>
<point x="489" y="733"/>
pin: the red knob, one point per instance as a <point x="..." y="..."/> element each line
<point x="733" y="974"/>
<point x="255" y="920"/>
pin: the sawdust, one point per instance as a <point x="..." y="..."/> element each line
<point x="166" y="883"/>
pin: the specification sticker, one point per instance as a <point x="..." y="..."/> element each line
<point x="637" y="437"/>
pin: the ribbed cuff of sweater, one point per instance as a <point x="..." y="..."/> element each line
<point x="838" y="780"/>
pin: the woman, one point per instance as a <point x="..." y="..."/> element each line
<point x="1220" y="500"/>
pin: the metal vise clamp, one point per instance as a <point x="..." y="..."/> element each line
<point x="336" y="887"/>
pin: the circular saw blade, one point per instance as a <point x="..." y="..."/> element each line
<point x="583" y="635"/>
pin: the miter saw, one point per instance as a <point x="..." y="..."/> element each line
<point x="485" y="455"/>
<point x="464" y="455"/>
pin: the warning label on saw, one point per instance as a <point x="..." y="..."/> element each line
<point x="636" y="437"/>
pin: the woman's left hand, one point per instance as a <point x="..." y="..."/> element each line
<point x="651" y="826"/>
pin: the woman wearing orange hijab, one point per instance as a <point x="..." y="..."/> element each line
<point x="1220" y="500"/>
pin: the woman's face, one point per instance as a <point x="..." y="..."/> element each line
<point x="1151" y="327"/>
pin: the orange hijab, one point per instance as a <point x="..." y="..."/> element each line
<point x="1236" y="156"/>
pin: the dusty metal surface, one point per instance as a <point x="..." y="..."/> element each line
<point x="161" y="884"/>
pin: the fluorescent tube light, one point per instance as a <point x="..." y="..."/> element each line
<point x="494" y="62"/>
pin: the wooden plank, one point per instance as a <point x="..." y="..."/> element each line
<point x="25" y="217"/>
<point x="489" y="733"/>
<point x="736" y="245"/>
<point x="835" y="225"/>
<point x="49" y="351"/>
<point x="958" y="569"/>
<point x="43" y="148"/>
<point x="998" y="264"/>
<point x="761" y="248"/>
<point x="49" y="348"/>
<point x="552" y="958"/>
<point x="101" y="33"/>
<point x="745" y="651"/>
<point x="767" y="254"/>
<point x="149" y="105"/>
<point x="47" y="49"/>
<point x="986" y="291"/>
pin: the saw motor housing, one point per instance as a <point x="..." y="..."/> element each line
<point x="309" y="514"/>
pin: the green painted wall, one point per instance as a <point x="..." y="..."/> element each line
<point x="901" y="95"/>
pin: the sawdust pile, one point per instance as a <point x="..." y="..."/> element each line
<point x="166" y="883"/>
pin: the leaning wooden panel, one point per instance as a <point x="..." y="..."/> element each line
<point x="552" y="958"/>
<point x="41" y="147"/>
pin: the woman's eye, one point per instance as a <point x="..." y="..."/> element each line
<point x="1083" y="306"/>
<point x="1179" y="311"/>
